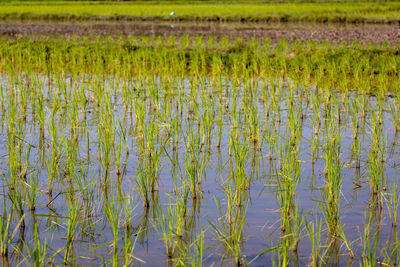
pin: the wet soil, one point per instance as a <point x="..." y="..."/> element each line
<point x="334" y="33"/>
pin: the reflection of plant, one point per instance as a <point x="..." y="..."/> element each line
<point x="71" y="224"/>
<point x="151" y="145"/>
<point x="5" y="227"/>
<point x="191" y="253"/>
<point x="129" y="246"/>
<point x="229" y="228"/>
<point x="37" y="251"/>
<point x="377" y="154"/>
<point x="314" y="231"/>
<point x="112" y="211"/>
<point x="392" y="201"/>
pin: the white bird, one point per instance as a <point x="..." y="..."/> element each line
<point x="172" y="13"/>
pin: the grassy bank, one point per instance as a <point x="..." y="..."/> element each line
<point x="320" y="11"/>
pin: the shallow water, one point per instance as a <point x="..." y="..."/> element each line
<point x="188" y="102"/>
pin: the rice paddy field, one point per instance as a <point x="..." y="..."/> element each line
<point x="256" y="10"/>
<point x="198" y="150"/>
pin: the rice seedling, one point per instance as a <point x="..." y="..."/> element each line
<point x="53" y="161"/>
<point x="192" y="254"/>
<point x="377" y="158"/>
<point x="128" y="244"/>
<point x="194" y="163"/>
<point x="287" y="180"/>
<point x="229" y="228"/>
<point x="354" y="117"/>
<point x="71" y="225"/>
<point x="370" y="242"/>
<point x="171" y="226"/>
<point x="32" y="191"/>
<point x="314" y="230"/>
<point x="331" y="194"/>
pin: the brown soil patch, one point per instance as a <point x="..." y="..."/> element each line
<point x="289" y="31"/>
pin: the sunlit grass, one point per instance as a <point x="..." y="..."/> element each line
<point x="285" y="11"/>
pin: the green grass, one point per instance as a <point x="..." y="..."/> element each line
<point x="347" y="11"/>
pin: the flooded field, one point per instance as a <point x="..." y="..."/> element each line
<point x="131" y="157"/>
<point x="166" y="169"/>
